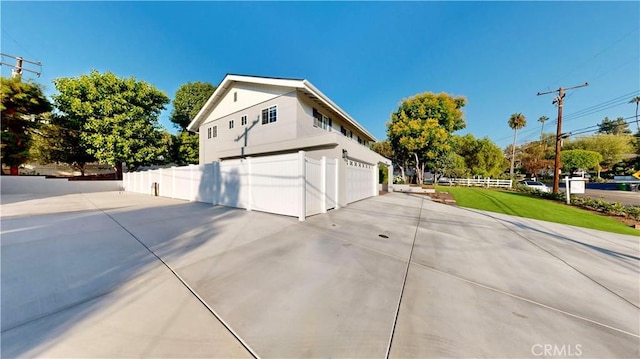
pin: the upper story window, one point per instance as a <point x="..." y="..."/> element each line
<point x="243" y="120"/>
<point x="214" y="131"/>
<point x="269" y="115"/>
<point x="343" y="130"/>
<point x="322" y="121"/>
<point x="231" y="124"/>
<point x="235" y="96"/>
<point x="209" y="132"/>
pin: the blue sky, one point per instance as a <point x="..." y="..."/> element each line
<point x="366" y="56"/>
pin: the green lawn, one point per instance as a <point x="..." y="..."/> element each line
<point x="524" y="205"/>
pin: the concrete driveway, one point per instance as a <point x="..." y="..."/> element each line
<point x="126" y="275"/>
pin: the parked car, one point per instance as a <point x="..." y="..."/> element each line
<point x="535" y="185"/>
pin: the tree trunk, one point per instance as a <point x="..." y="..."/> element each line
<point x="419" y="174"/>
<point x="118" y="168"/>
<point x="513" y="152"/>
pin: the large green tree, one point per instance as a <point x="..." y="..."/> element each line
<point x="60" y="141"/>
<point x="580" y="160"/>
<point x="187" y="102"/>
<point x="421" y="129"/>
<point x="613" y="148"/>
<point x="481" y="156"/>
<point x="185" y="148"/>
<point x="516" y="122"/>
<point x="23" y="107"/>
<point x="616" y="127"/>
<point x="118" y="116"/>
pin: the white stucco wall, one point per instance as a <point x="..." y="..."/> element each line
<point x="243" y="95"/>
<point x="254" y="133"/>
<point x="306" y="121"/>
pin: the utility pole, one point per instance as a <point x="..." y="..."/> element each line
<point x="559" y="100"/>
<point x="18" y="67"/>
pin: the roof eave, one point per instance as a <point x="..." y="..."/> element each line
<point x="309" y="87"/>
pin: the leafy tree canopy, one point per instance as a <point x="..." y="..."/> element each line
<point x="23" y="106"/>
<point x="580" y="159"/>
<point x="422" y="126"/>
<point x="60" y="141"/>
<point x="616" y="127"/>
<point x="611" y="147"/>
<point x="186" y="148"/>
<point x="188" y="101"/>
<point x="118" y="116"/>
<point x="481" y="156"/>
<point x="383" y="148"/>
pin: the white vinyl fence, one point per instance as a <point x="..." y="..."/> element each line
<point x="361" y="181"/>
<point x="478" y="182"/>
<point x="289" y="184"/>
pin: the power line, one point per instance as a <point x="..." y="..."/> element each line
<point x="574" y="68"/>
<point x="17" y="43"/>
<point x="621" y="100"/>
<point x="594" y="128"/>
<point x="605" y="105"/>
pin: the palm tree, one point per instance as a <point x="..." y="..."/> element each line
<point x="516" y="122"/>
<point x="637" y="101"/>
<point x="542" y="120"/>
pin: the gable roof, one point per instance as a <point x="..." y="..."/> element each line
<point x="304" y="85"/>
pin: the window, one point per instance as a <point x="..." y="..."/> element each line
<point x="322" y="121"/>
<point x="359" y="140"/>
<point x="235" y="96"/>
<point x="343" y="130"/>
<point x="215" y="131"/>
<point x="231" y="124"/>
<point x="209" y="132"/>
<point x="243" y="120"/>
<point x="317" y="118"/>
<point x="269" y="115"/>
<point x="326" y="123"/>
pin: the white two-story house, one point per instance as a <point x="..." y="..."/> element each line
<point x="258" y="116"/>
<point x="252" y="116"/>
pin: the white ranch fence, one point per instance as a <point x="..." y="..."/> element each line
<point x="288" y="184"/>
<point x="478" y="182"/>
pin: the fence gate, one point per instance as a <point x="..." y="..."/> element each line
<point x="360" y="181"/>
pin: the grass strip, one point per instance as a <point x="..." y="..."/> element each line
<point x="524" y="205"/>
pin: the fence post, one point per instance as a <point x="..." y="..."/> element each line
<point x="375" y="180"/>
<point x="191" y="197"/>
<point x="323" y="184"/>
<point x="302" y="162"/>
<point x="249" y="185"/>
<point x="337" y="183"/>
<point x="216" y="182"/>
<point x="173" y="181"/>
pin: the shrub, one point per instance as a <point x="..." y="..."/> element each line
<point x="596" y="204"/>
